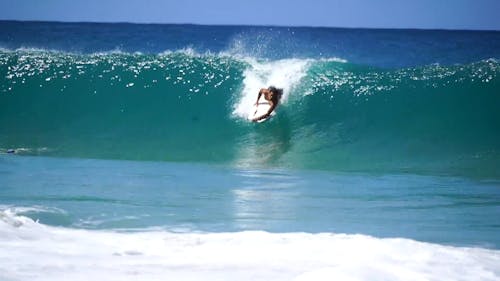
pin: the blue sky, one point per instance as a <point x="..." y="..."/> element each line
<point x="441" y="14"/>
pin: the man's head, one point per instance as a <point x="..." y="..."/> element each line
<point x="275" y="90"/>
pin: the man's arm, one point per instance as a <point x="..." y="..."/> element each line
<point x="258" y="97"/>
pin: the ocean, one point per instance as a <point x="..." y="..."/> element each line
<point x="126" y="153"/>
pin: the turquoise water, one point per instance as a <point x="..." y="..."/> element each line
<point x="126" y="152"/>
<point x="182" y="106"/>
<point x="126" y="195"/>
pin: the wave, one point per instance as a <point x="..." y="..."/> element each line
<point x="186" y="106"/>
<point x="250" y="255"/>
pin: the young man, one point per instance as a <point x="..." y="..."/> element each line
<point x="271" y="94"/>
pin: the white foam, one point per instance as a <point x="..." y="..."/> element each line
<point x="32" y="251"/>
<point x="26" y="150"/>
<point x="334" y="59"/>
<point x="20" y="210"/>
<point x="285" y="74"/>
<point x="188" y="51"/>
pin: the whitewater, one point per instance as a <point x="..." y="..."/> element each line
<point x="126" y="153"/>
<point x="248" y="255"/>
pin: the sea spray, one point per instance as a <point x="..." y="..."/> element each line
<point x="286" y="74"/>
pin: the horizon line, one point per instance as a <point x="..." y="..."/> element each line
<point x="248" y="25"/>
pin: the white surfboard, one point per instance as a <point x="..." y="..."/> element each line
<point x="261" y="109"/>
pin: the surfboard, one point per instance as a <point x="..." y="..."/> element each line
<point x="261" y="109"/>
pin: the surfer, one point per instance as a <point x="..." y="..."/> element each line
<point x="273" y="96"/>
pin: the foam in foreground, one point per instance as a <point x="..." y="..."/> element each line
<point x="32" y="251"/>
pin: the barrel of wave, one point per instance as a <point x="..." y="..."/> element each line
<point x="286" y="74"/>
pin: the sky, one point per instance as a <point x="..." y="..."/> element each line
<point x="425" y="14"/>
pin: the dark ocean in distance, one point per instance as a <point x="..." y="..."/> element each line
<point x="126" y="150"/>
